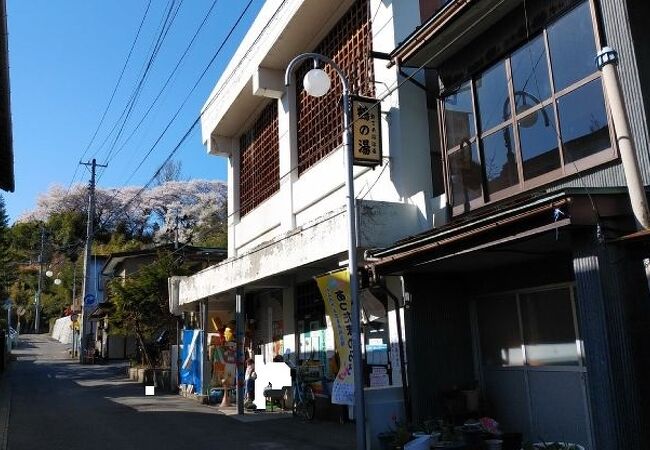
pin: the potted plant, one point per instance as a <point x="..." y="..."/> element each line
<point x="545" y="445"/>
<point x="398" y="435"/>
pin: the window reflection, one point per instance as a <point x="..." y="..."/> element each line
<point x="572" y="46"/>
<point x="500" y="160"/>
<point x="583" y="122"/>
<point x="558" y="117"/>
<point x="539" y="143"/>
<point x="530" y="75"/>
<point x="501" y="343"/>
<point x="459" y="116"/>
<point x="465" y="170"/>
<point x="549" y="329"/>
<point x="492" y="94"/>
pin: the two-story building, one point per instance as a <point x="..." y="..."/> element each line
<point x="287" y="220"/>
<point x="535" y="292"/>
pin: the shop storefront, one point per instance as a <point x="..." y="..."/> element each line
<point x="527" y="319"/>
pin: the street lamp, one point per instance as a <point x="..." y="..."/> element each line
<point x="317" y="83"/>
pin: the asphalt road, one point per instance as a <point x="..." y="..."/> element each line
<point x="55" y="403"/>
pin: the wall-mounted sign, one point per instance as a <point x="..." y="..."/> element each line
<point x="89" y="300"/>
<point x="366" y="131"/>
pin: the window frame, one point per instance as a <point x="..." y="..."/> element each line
<point x="566" y="169"/>
<point x="581" y="365"/>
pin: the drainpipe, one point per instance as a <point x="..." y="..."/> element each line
<point x="607" y="60"/>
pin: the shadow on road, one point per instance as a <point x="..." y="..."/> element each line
<point x="59" y="404"/>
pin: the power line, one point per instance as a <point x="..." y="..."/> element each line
<point x="187" y="97"/>
<point x="190" y="129"/>
<point x="167" y="24"/>
<point x="143" y="72"/>
<point x="169" y="78"/>
<point x="117" y="84"/>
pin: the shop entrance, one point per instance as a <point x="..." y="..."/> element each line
<point x="530" y="357"/>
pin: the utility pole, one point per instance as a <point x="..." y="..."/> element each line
<point x="37" y="315"/>
<point x="85" y="291"/>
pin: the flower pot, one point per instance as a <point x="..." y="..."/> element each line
<point x="567" y="445"/>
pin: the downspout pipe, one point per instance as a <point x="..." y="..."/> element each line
<point x="607" y="62"/>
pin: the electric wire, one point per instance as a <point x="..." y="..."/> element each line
<point x="167" y="81"/>
<point x="188" y="132"/>
<point x="169" y="21"/>
<point x="187" y="97"/>
<point x="114" y="91"/>
<point x="152" y="52"/>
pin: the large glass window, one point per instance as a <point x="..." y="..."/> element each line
<point x="549" y="328"/>
<point x="530" y="78"/>
<point x="492" y="93"/>
<point x="500" y="160"/>
<point x="541" y="322"/>
<point x="540" y="152"/>
<point x="465" y="172"/>
<point x="501" y="343"/>
<point x="527" y="119"/>
<point x="459" y="116"/>
<point x="583" y="121"/>
<point x="573" y="47"/>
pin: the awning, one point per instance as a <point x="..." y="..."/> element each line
<point x="451" y="28"/>
<point x="519" y="221"/>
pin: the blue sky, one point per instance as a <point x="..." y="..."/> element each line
<point x="65" y="58"/>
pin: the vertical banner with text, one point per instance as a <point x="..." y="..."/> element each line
<point x="335" y="289"/>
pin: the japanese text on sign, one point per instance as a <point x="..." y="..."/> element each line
<point x="366" y="131"/>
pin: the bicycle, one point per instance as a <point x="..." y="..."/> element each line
<point x="304" y="400"/>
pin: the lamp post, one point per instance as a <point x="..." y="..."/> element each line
<point x="317" y="84"/>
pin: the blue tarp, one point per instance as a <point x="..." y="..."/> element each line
<point x="191" y="365"/>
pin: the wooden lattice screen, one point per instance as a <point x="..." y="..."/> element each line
<point x="260" y="160"/>
<point x="320" y="120"/>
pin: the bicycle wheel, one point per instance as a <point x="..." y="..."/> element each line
<point x="308" y="403"/>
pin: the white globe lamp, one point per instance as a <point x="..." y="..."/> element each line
<point x="316" y="82"/>
<point x="49" y="273"/>
<point x="57" y="281"/>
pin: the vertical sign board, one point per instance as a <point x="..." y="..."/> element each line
<point x="335" y="289"/>
<point x="366" y="131"/>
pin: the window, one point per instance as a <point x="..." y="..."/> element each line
<point x="530" y="118"/>
<point x="260" y="160"/>
<point x="320" y="120"/>
<point x="530" y="328"/>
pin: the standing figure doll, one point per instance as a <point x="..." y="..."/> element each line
<point x="250" y="378"/>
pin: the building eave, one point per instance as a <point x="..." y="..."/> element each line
<point x="518" y="220"/>
<point x="7" y="180"/>
<point x="448" y="30"/>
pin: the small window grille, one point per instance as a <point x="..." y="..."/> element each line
<point x="260" y="160"/>
<point x="320" y="120"/>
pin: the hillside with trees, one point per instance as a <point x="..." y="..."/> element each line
<point x="129" y="218"/>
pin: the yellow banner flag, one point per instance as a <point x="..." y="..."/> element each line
<point x="335" y="289"/>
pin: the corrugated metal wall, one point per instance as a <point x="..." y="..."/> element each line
<point x="611" y="286"/>
<point x="618" y="34"/>
<point x="438" y="341"/>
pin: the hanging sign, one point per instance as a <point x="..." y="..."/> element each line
<point x="366" y="131"/>
<point x="335" y="289"/>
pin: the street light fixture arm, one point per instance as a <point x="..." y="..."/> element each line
<point x="317" y="58"/>
<point x="317" y="83"/>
